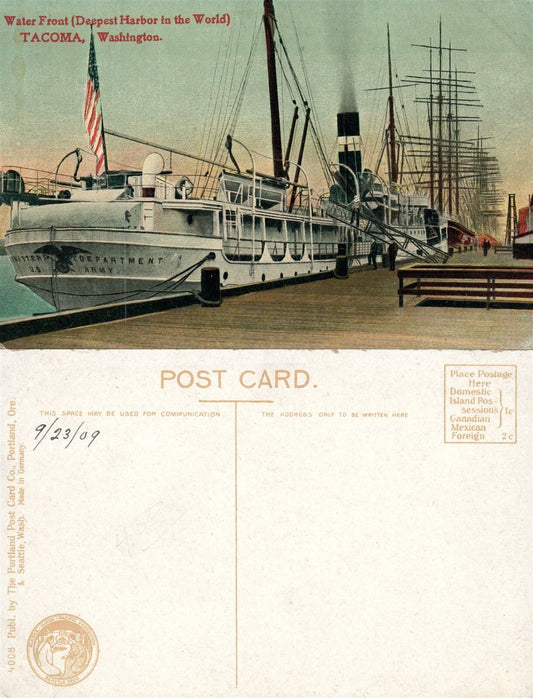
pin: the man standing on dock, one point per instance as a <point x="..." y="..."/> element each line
<point x="486" y="247"/>
<point x="393" y="251"/>
<point x="373" y="254"/>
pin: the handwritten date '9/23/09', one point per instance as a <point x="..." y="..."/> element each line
<point x="65" y="435"/>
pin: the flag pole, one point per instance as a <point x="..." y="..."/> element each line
<point x="101" y="116"/>
<point x="103" y="129"/>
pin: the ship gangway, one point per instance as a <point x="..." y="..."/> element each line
<point x="384" y="233"/>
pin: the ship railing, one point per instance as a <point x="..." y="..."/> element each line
<point x="31" y="181"/>
<point x="17" y="180"/>
<point x="175" y="187"/>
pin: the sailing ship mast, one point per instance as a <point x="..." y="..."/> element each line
<point x="393" y="167"/>
<point x="462" y="176"/>
<point x="269" y="20"/>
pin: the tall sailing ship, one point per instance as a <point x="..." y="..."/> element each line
<point x="448" y="161"/>
<point x="127" y="235"/>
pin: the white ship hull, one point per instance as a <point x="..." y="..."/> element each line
<point x="149" y="248"/>
<point x="80" y="267"/>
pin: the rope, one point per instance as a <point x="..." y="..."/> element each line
<point x="314" y="134"/>
<point x="183" y="274"/>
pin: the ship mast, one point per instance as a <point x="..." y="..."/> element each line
<point x="269" y="20"/>
<point x="392" y="127"/>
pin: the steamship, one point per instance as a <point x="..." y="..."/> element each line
<point x="127" y="235"/>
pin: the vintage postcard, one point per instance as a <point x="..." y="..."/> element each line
<point x="266" y="524"/>
<point x="265" y="319"/>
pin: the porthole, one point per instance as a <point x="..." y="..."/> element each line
<point x="262" y="277"/>
<point x="225" y="275"/>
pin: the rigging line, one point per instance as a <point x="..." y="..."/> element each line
<point x="284" y="74"/>
<point x="234" y="105"/>
<point x="214" y="140"/>
<point x="375" y="114"/>
<point x="302" y="62"/>
<point x="311" y="99"/>
<point x="291" y="67"/>
<point x="312" y="102"/>
<point x="229" y="89"/>
<point x="219" y="99"/>
<point x="232" y="120"/>
<point x="218" y="134"/>
<point x="208" y="123"/>
<point x="234" y="115"/>
<point x="380" y="143"/>
<point x="316" y="139"/>
<point x="403" y="118"/>
<point x="377" y="159"/>
<point x="222" y="98"/>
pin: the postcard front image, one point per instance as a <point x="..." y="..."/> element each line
<point x="265" y="371"/>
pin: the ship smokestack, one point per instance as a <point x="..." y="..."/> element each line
<point x="349" y="148"/>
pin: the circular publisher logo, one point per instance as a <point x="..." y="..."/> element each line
<point x="62" y="649"/>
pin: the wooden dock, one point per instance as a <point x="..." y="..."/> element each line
<point x="360" y="312"/>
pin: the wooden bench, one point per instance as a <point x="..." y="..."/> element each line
<point x="503" y="248"/>
<point x="464" y="282"/>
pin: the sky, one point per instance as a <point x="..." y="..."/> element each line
<point x="166" y="91"/>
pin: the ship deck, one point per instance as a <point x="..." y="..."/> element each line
<point x="360" y="312"/>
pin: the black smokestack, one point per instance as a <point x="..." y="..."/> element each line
<point x="349" y="148"/>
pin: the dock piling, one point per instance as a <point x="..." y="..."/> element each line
<point x="210" y="294"/>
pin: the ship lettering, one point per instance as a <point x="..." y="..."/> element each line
<point x="101" y="270"/>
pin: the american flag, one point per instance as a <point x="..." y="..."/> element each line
<point x="93" y="112"/>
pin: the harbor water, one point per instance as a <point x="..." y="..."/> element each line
<point x="17" y="301"/>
